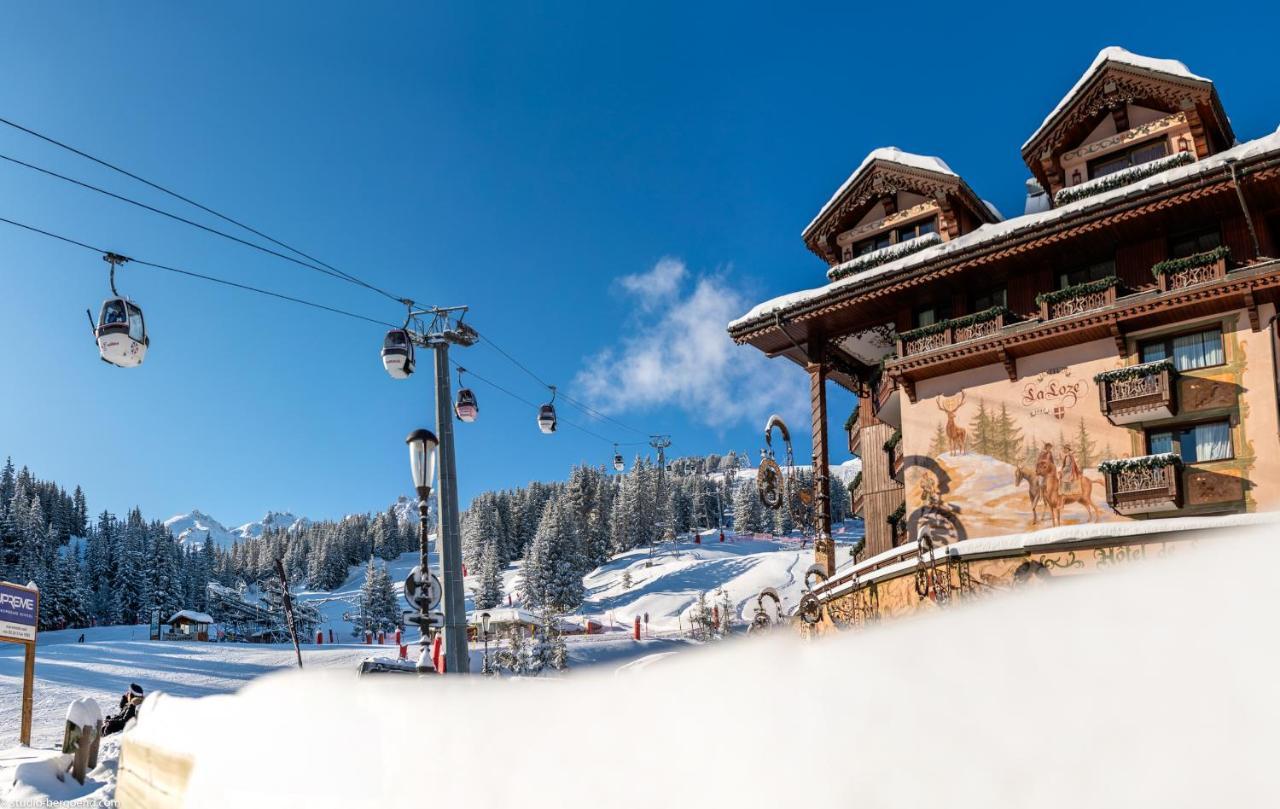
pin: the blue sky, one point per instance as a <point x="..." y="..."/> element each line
<point x="603" y="185"/>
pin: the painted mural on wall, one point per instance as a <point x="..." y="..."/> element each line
<point x="1008" y="457"/>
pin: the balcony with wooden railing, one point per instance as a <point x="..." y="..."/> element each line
<point x="1078" y="299"/>
<point x="857" y="499"/>
<point x="1137" y="393"/>
<point x="1202" y="268"/>
<point x="1144" y="485"/>
<point x="987" y="323"/>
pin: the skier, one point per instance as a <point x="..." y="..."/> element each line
<point x="129" y="702"/>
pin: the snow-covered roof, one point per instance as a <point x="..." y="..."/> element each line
<point x="505" y="615"/>
<point x="987" y="233"/>
<point x="889" y="154"/>
<point x="1118" y="55"/>
<point x="192" y="616"/>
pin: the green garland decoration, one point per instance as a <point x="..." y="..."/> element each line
<point x="1174" y="265"/>
<point x="882" y="256"/>
<point x="925" y="331"/>
<point x="898" y="514"/>
<point x="980" y="317"/>
<point x="1135" y="371"/>
<point x="852" y="421"/>
<point x="893" y="441"/>
<point x="1088" y="288"/>
<point x="857" y="481"/>
<point x="1141" y="462"/>
<point x="1121" y="178"/>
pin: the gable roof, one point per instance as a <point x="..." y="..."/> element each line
<point x="889" y="154"/>
<point x="987" y="236"/>
<point x="882" y="171"/>
<point x="1117" y="76"/>
<point x="1116" y="55"/>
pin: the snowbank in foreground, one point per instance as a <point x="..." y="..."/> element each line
<point x="1147" y="686"/>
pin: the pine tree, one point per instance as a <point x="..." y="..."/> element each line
<point x="980" y="430"/>
<point x="748" y="516"/>
<point x="726" y="612"/>
<point x="489" y="594"/>
<point x="1085" y="447"/>
<point x="1008" y="437"/>
<point x="552" y="568"/>
<point x="379" y="608"/>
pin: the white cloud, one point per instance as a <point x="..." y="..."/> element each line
<point x="657" y="285"/>
<point x="685" y="358"/>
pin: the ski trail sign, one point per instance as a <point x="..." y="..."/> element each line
<point x="19" y="615"/>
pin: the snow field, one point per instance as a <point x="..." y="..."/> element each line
<point x="1013" y="701"/>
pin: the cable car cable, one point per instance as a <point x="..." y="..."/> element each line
<point x="175" y="217"/>
<point x="200" y="276"/>
<point x="323" y="267"/>
<point x="520" y="398"/>
<point x="304" y="302"/>
<point x="572" y="402"/>
<point x="353" y="279"/>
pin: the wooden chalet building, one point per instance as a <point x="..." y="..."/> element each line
<point x="1108" y="357"/>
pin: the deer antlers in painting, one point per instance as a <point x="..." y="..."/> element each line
<point x="955" y="433"/>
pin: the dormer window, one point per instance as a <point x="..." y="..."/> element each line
<point x="916" y="229"/>
<point x="875" y="243"/>
<point x="1128" y="158"/>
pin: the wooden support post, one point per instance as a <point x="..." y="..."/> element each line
<point x="823" y="544"/>
<point x="28" y="691"/>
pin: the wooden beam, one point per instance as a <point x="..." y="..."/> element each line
<point x="908" y="387"/>
<point x="1052" y="173"/>
<point x="823" y="545"/>
<point x="947" y="220"/>
<point x="1197" y="128"/>
<point x="1010" y="364"/>
<point x="890" y="204"/>
<point x="1122" y="345"/>
<point x="1251" y="303"/>
<point x="1120" y="114"/>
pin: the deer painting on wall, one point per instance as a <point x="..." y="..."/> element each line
<point x="955" y="433"/>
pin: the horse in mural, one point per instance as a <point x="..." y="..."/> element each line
<point x="1035" y="490"/>
<point x="1056" y="493"/>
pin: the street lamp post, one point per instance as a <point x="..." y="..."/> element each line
<point x="422" y="463"/>
<point x="484" y="628"/>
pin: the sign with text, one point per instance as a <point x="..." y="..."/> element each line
<point x="18" y="612"/>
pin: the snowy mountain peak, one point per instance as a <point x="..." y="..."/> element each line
<point x="193" y="527"/>
<point x="274" y="520"/>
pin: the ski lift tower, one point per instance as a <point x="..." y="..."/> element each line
<point x="445" y="329"/>
<point x="660" y="443"/>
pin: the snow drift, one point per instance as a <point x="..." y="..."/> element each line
<point x="1151" y="686"/>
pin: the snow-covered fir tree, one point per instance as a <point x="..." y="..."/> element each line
<point x="489" y="594"/>
<point x="553" y="566"/>
<point x="379" y="607"/>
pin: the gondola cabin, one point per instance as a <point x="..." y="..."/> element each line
<point x="466" y="407"/>
<point x="397" y="354"/>
<point x="121" y="333"/>
<point x="547" y="418"/>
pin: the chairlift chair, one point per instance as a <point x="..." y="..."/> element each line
<point x="466" y="408"/>
<point x="547" y="414"/>
<point x="397" y="353"/>
<point x="121" y="330"/>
